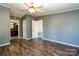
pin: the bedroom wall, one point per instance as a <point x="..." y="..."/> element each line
<point x="62" y="27"/>
<point x="4" y="25"/>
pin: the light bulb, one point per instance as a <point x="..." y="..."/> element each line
<point x="31" y="10"/>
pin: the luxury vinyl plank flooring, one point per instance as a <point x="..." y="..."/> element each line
<point x="36" y="47"/>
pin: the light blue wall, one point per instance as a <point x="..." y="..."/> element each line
<point x="4" y="25"/>
<point x="62" y="27"/>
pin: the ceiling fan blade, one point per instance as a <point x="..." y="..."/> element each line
<point x="26" y="6"/>
<point x="38" y="10"/>
<point x="37" y="5"/>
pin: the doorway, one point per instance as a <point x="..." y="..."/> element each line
<point x="37" y="28"/>
<point x="14" y="28"/>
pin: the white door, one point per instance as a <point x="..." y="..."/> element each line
<point x="34" y="29"/>
<point x="37" y="28"/>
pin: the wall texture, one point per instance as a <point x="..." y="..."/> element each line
<point x="62" y="27"/>
<point x="4" y="25"/>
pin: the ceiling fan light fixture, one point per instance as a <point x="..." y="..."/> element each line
<point x="38" y="10"/>
<point x="31" y="10"/>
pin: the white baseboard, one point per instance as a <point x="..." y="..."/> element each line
<point x="61" y="42"/>
<point x="4" y="44"/>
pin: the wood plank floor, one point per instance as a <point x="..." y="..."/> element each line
<point x="37" y="47"/>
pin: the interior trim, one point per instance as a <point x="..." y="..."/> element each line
<point x="61" y="42"/>
<point x="4" y="44"/>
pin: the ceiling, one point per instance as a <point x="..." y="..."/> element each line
<point x="18" y="9"/>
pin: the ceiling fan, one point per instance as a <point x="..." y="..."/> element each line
<point x="32" y="8"/>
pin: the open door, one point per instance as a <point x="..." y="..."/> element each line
<point x="37" y="28"/>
